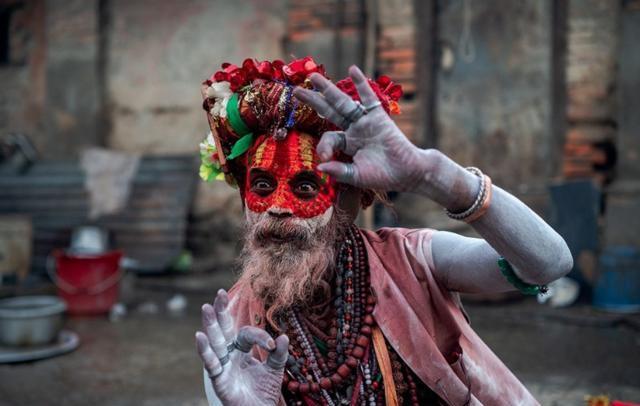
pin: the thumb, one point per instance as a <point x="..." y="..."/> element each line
<point x="342" y="172"/>
<point x="277" y="359"/>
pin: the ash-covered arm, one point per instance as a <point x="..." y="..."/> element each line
<point x="508" y="228"/>
<point x="384" y="159"/>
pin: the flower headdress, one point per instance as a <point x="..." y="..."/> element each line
<point x="243" y="102"/>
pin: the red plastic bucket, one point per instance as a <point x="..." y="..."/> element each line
<point x="87" y="283"/>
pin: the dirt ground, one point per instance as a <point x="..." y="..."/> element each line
<point x="149" y="359"/>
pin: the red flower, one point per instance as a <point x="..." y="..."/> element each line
<point x="277" y="69"/>
<point x="393" y="90"/>
<point x="387" y="91"/>
<point x="265" y="70"/>
<point x="250" y="69"/>
<point x="298" y="70"/>
<point x="233" y="74"/>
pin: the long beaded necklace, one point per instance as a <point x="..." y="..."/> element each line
<point x="339" y="366"/>
<point x="339" y="369"/>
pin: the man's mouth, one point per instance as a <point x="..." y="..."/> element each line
<point x="280" y="237"/>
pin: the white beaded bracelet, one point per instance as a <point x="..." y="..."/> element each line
<point x="477" y="202"/>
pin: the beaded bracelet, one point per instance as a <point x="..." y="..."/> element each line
<point x="507" y="271"/>
<point x="480" y="204"/>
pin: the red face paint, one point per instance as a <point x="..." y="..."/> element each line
<point x="289" y="168"/>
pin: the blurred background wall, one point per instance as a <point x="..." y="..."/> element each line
<point x="543" y="95"/>
<point x="533" y="92"/>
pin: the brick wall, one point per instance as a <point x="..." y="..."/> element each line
<point x="333" y="32"/>
<point x="329" y="30"/>
<point x="592" y="37"/>
<point x="396" y="57"/>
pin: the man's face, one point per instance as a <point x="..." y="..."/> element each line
<point x="283" y="179"/>
<point x="292" y="224"/>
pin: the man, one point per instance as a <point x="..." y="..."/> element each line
<point x="325" y="313"/>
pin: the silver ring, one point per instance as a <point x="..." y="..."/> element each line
<point x="231" y="347"/>
<point x="357" y="112"/>
<point x="372" y="106"/>
<point x="349" y="173"/>
<point x="216" y="375"/>
<point x="345" y="124"/>
<point x="241" y="347"/>
<point x="342" y="140"/>
<point x="276" y="365"/>
<point x="224" y="360"/>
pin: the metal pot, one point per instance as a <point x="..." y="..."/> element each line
<point x="30" y="320"/>
<point x="90" y="240"/>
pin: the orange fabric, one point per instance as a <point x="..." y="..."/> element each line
<point x="382" y="355"/>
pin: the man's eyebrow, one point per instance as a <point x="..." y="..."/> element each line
<point x="306" y="174"/>
<point x="258" y="171"/>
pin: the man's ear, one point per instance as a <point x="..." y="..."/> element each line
<point x="348" y="199"/>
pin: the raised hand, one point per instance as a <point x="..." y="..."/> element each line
<point x="383" y="158"/>
<point x="237" y="377"/>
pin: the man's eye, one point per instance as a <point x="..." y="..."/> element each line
<point x="262" y="186"/>
<point x="306" y="189"/>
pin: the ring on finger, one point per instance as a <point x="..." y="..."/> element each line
<point x="342" y="141"/>
<point x="356" y="113"/>
<point x="346" y="123"/>
<point x="217" y="373"/>
<point x="349" y="172"/>
<point x="241" y="347"/>
<point x="231" y="347"/>
<point x="275" y="364"/>
<point x="224" y="360"/>
<point x="372" y="106"/>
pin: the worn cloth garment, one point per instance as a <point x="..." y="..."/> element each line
<point x="422" y="321"/>
<point x="108" y="179"/>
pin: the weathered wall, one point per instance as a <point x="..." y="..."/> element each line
<point x="335" y="33"/>
<point x="73" y="84"/>
<point x="158" y="53"/>
<point x="396" y="57"/>
<point x="51" y="86"/>
<point x="22" y="76"/>
<point x="623" y="195"/>
<point x="493" y="88"/>
<point x="592" y="47"/>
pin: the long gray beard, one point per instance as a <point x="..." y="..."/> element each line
<point x="286" y="274"/>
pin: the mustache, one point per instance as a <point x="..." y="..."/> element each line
<point x="287" y="230"/>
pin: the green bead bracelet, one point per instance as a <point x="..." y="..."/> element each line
<point x="507" y="271"/>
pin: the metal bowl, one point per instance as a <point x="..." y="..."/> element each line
<point x="30" y="320"/>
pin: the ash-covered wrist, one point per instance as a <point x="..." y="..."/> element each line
<point x="445" y="182"/>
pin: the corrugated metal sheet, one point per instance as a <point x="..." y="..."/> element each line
<point x="151" y="229"/>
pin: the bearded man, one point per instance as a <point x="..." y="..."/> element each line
<point x="325" y="313"/>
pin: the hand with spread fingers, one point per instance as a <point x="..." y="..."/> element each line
<point x="237" y="377"/>
<point x="383" y="158"/>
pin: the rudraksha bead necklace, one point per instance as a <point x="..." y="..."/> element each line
<point x="327" y="370"/>
<point x="339" y="366"/>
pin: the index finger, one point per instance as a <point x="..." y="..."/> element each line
<point x="367" y="95"/>
<point x="248" y="336"/>
<point x="221" y="307"/>
<point x="336" y="98"/>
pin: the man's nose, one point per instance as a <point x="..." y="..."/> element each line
<point x="278" y="212"/>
